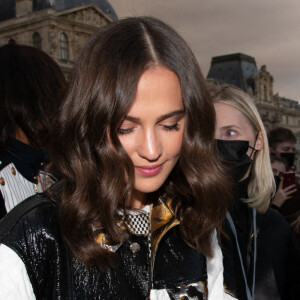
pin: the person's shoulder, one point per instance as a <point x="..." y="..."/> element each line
<point x="4" y="162"/>
<point x="6" y="158"/>
<point x="273" y="221"/>
<point x="28" y="216"/>
<point x="272" y="215"/>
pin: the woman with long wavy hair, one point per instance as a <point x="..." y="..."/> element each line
<point x="140" y="200"/>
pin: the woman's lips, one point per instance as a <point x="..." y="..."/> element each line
<point x="149" y="170"/>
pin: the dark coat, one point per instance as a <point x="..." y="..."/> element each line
<point x="277" y="266"/>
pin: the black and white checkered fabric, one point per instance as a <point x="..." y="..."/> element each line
<point x="139" y="223"/>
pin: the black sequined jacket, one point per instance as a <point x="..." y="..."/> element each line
<point x="32" y="231"/>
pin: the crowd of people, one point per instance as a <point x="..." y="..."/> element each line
<point x="138" y="180"/>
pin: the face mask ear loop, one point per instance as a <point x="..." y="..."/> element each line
<point x="253" y="148"/>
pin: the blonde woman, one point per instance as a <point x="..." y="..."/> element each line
<point x="251" y="259"/>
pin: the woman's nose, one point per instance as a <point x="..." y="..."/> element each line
<point x="150" y="147"/>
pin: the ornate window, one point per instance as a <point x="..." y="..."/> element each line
<point x="64" y="46"/>
<point x="265" y="93"/>
<point x="36" y="40"/>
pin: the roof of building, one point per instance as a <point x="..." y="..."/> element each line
<point x="8" y="11"/>
<point x="289" y="103"/>
<point x="237" y="69"/>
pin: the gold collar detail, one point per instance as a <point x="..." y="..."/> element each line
<point x="162" y="218"/>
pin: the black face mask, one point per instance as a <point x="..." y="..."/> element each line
<point x="289" y="157"/>
<point x="235" y="159"/>
<point x="277" y="180"/>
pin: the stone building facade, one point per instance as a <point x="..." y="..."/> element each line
<point x="274" y="109"/>
<point x="60" y="28"/>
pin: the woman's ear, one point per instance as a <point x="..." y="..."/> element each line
<point x="259" y="141"/>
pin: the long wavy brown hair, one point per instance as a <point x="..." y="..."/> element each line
<point x="97" y="175"/>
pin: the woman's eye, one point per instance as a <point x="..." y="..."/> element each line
<point x="174" y="127"/>
<point x="123" y="131"/>
<point x="231" y="133"/>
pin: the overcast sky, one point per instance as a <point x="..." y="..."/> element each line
<point x="268" y="30"/>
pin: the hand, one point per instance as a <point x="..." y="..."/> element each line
<point x="283" y="194"/>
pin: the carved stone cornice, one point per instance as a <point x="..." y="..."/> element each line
<point x="88" y="16"/>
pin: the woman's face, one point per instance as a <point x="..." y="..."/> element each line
<point x="278" y="167"/>
<point x="231" y="124"/>
<point x="152" y="131"/>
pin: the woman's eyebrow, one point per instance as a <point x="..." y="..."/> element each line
<point x="171" y="114"/>
<point x="159" y="119"/>
<point x="230" y="126"/>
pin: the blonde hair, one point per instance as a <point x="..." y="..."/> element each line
<point x="262" y="185"/>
